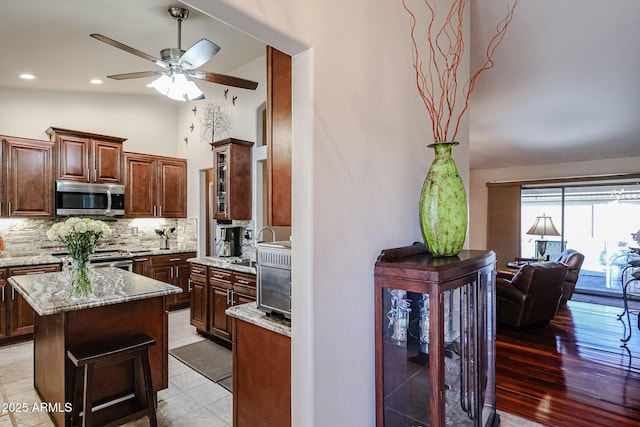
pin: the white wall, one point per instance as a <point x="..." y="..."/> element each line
<point x="147" y="121"/>
<point x="243" y="123"/>
<point x="359" y="159"/>
<point x="479" y="178"/>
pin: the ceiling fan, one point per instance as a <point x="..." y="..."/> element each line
<point x="179" y="65"/>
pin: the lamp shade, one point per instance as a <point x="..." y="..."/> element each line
<point x="543" y="226"/>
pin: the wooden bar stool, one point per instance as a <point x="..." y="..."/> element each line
<point x="132" y="347"/>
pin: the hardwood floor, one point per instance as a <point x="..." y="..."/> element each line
<point x="571" y="372"/>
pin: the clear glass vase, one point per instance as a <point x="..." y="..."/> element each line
<point x="80" y="282"/>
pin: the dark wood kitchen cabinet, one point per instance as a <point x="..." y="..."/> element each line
<point x="16" y="315"/>
<point x="220" y="298"/>
<point x="155" y="186"/>
<point x="27" y="188"/>
<point x="198" y="287"/>
<point x="278" y="137"/>
<point x="87" y="157"/>
<point x="213" y="290"/>
<point x="173" y="269"/>
<point x="141" y="265"/>
<point x="232" y="169"/>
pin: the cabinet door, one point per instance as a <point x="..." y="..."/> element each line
<point x="20" y="312"/>
<point x="73" y="158"/>
<point x="140" y="186"/>
<point x="198" y="292"/>
<point x="3" y="304"/>
<point x="162" y="273"/>
<point x="181" y="279"/>
<point x="141" y="266"/>
<point x="221" y="210"/>
<point x="107" y="162"/>
<point x="29" y="177"/>
<point x="172" y="188"/>
<point x="278" y="135"/>
<point x="219" y="301"/>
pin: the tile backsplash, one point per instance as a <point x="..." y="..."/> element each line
<point x="27" y="237"/>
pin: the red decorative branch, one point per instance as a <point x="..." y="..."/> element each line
<point x="437" y="80"/>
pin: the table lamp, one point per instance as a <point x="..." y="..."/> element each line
<point x="543" y="226"/>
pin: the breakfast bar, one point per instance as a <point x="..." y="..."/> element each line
<point x="122" y="304"/>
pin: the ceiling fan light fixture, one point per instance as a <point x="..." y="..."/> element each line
<point x="177" y="87"/>
<point x="162" y="84"/>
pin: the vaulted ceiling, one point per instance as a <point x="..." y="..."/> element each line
<point x="564" y="86"/>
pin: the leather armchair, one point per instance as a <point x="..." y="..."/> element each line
<point x="573" y="259"/>
<point x="532" y="296"/>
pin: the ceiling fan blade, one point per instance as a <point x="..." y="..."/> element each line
<point x="126" y="48"/>
<point x="198" y="54"/>
<point x="225" y="80"/>
<point x="137" y="75"/>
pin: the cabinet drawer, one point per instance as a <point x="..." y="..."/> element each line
<point x="220" y="275"/>
<point x="246" y="291"/>
<point x="246" y="280"/>
<point x="199" y="272"/>
<point x="34" y="269"/>
<point x="156" y="260"/>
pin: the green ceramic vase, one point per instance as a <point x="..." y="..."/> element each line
<point x="443" y="205"/>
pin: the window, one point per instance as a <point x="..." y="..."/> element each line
<point x="600" y="220"/>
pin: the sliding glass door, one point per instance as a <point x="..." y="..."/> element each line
<point x="601" y="221"/>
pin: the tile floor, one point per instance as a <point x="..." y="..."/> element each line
<point x="190" y="400"/>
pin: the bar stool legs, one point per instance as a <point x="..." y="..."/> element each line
<point x="135" y="348"/>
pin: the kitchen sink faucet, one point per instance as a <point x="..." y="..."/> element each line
<point x="266" y="227"/>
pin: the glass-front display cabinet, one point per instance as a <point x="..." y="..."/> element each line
<point x="435" y="338"/>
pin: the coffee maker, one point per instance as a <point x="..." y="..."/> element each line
<point x="230" y="241"/>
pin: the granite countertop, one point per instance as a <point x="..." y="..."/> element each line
<point x="18" y="261"/>
<point x="228" y="263"/>
<point x="249" y="313"/>
<point x="40" y="259"/>
<point x="48" y="293"/>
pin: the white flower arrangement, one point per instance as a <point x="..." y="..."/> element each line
<point x="79" y="235"/>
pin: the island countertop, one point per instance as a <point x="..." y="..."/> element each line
<point x="249" y="313"/>
<point x="48" y="293"/>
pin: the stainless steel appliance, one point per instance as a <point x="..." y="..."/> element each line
<point x="274" y="278"/>
<point x="107" y="257"/>
<point x="79" y="198"/>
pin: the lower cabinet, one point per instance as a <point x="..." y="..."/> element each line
<point x="16" y="315"/>
<point x="213" y="290"/>
<point x="173" y="269"/>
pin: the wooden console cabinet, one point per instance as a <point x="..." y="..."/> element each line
<point x="435" y="338"/>
<point x="155" y="186"/>
<point x="87" y="157"/>
<point x="28" y="178"/>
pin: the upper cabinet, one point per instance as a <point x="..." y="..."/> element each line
<point x="155" y="186"/>
<point x="28" y="178"/>
<point x="87" y="157"/>
<point x="278" y="136"/>
<point x="232" y="168"/>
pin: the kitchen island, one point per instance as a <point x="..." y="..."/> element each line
<point x="122" y="303"/>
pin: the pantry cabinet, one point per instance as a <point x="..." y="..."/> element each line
<point x="26" y="185"/>
<point x="87" y="157"/>
<point x="155" y="186"/>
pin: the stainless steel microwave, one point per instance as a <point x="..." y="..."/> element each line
<point x="79" y="198"/>
<point x="274" y="278"/>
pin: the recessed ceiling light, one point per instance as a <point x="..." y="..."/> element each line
<point x="95" y="81"/>
<point x="27" y="76"/>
